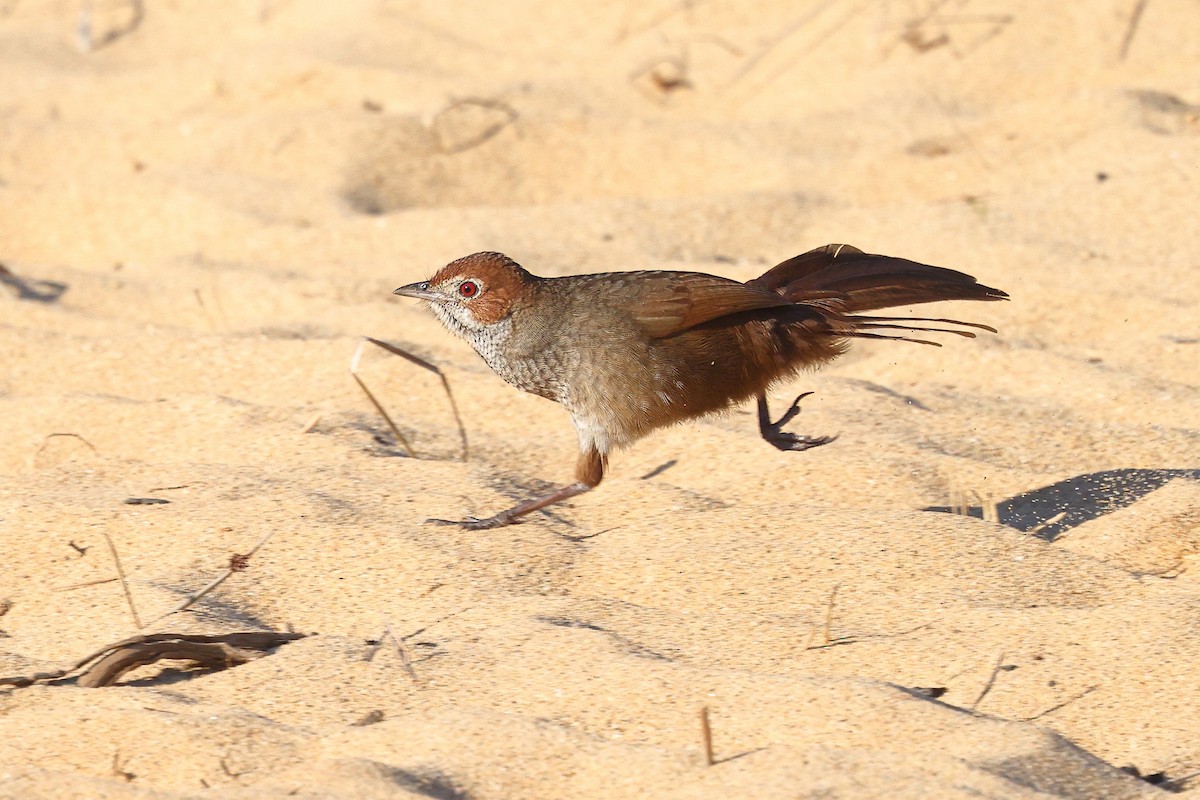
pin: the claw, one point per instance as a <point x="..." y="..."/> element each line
<point x="773" y="431"/>
<point x="796" y="443"/>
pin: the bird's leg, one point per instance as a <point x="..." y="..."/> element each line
<point x="589" y="471"/>
<point x="773" y="431"/>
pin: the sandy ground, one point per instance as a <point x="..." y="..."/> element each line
<point x="204" y="205"/>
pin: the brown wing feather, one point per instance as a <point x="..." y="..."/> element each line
<point x="689" y="299"/>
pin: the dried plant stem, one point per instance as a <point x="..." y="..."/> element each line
<point x="213" y="584"/>
<point x="829" y="613"/>
<point x="706" y="736"/>
<point x="420" y="362"/>
<point x="84" y="584"/>
<point x="112" y="548"/>
<point x="991" y="681"/>
<point x="1063" y="704"/>
<point x="1134" y="18"/>
<point x="400" y="437"/>
<point x="402" y="651"/>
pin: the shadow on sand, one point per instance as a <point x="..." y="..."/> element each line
<point x="1053" y="510"/>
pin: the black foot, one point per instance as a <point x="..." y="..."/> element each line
<point x="773" y="431"/>
<point x="498" y="521"/>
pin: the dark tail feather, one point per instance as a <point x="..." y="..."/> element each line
<point x="863" y="326"/>
<point x="866" y="282"/>
<point x="978" y="325"/>
<point x="857" y="334"/>
<point x="869" y="328"/>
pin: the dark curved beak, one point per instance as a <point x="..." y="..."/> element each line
<point x="420" y="291"/>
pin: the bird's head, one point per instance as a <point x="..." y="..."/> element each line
<point x="475" y="292"/>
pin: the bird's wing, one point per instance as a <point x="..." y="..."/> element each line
<point x="671" y="302"/>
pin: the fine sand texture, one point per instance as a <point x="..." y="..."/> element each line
<point x="987" y="586"/>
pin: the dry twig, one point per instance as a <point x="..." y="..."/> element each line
<point x="1063" y="704"/>
<point x="1134" y="18"/>
<point x="237" y="563"/>
<point x="420" y="362"/>
<point x="112" y="548"/>
<point x="402" y="651"/>
<point x="829" y="613"/>
<point x="829" y="640"/>
<point x="706" y="736"/>
<point x="84" y="584"/>
<point x="991" y="681"/>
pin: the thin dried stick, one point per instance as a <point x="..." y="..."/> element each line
<point x="370" y="396"/>
<point x="829" y="640"/>
<point x="112" y="548"/>
<point x="829" y="613"/>
<point x="236" y="565"/>
<point x="1044" y="524"/>
<point x="84" y="584"/>
<point x="1063" y="704"/>
<point x="706" y="736"/>
<point x="405" y="661"/>
<point x="991" y="681"/>
<point x="1131" y="29"/>
<point x="420" y="362"/>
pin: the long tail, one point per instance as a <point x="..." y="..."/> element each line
<point x="846" y="281"/>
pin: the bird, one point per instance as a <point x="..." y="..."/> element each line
<point x="626" y="353"/>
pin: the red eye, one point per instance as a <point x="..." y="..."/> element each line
<point x="468" y="288"/>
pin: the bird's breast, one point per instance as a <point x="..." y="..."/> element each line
<point x="536" y="367"/>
